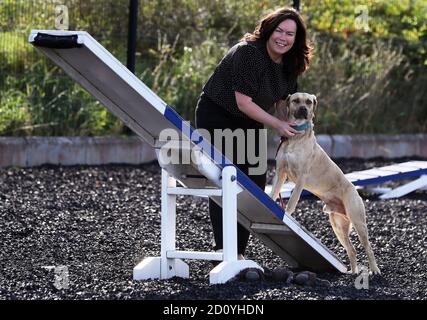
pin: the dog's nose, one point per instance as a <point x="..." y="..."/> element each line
<point x="302" y="112"/>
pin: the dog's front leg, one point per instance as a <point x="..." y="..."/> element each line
<point x="296" y="194"/>
<point x="278" y="181"/>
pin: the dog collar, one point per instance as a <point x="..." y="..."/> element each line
<point x="303" y="126"/>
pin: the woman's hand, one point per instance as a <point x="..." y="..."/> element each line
<point x="253" y="111"/>
<point x="285" y="129"/>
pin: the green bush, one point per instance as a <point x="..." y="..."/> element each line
<point x="14" y="113"/>
<point x="350" y="81"/>
<point x="14" y="49"/>
<point x="366" y="82"/>
<point x="179" y="77"/>
<point x="46" y="102"/>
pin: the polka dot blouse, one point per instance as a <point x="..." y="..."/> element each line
<point x="248" y="69"/>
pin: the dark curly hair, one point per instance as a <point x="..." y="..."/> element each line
<point x="297" y="59"/>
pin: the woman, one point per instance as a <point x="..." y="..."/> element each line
<point x="255" y="73"/>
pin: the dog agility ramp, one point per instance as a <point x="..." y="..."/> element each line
<point x="96" y="70"/>
<point x="376" y="176"/>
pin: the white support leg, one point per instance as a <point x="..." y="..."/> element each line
<point x="419" y="183"/>
<point x="169" y="264"/>
<point x="163" y="267"/>
<point x="229" y="213"/>
<point x="230" y="266"/>
<point x="169" y="267"/>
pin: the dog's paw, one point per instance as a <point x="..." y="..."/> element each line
<point x="354" y="270"/>
<point x="375" y="271"/>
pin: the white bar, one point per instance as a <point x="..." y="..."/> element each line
<point x="207" y="167"/>
<point x="359" y="176"/>
<point x="379" y="190"/>
<point x="229" y="213"/>
<point x="168" y="225"/>
<point x="418" y="164"/>
<point x="379" y="173"/>
<point x="271" y="228"/>
<point x="195" y="255"/>
<point x="421" y="182"/>
<point x="195" y="192"/>
<point x="401" y="167"/>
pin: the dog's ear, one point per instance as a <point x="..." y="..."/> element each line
<point x="283" y="108"/>
<point x="314" y="103"/>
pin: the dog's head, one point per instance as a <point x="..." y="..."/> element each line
<point x="297" y="107"/>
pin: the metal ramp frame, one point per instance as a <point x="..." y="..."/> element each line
<point x="371" y="179"/>
<point x="102" y="75"/>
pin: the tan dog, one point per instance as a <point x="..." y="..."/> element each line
<point x="302" y="160"/>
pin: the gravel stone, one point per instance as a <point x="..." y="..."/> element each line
<point x="77" y="233"/>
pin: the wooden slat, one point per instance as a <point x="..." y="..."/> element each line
<point x="399" y="168"/>
<point x="270" y="228"/>
<point x="378" y="172"/>
<point x="417" y="164"/>
<point x="359" y="176"/>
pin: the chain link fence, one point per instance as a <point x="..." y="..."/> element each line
<point x="105" y="20"/>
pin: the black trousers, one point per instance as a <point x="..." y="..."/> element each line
<point x="211" y="116"/>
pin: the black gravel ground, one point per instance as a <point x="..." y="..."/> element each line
<point x="99" y="222"/>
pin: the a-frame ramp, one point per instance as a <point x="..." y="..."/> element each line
<point x="102" y="75"/>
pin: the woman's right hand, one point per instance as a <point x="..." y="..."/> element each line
<point x="253" y="111"/>
<point x="285" y="129"/>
